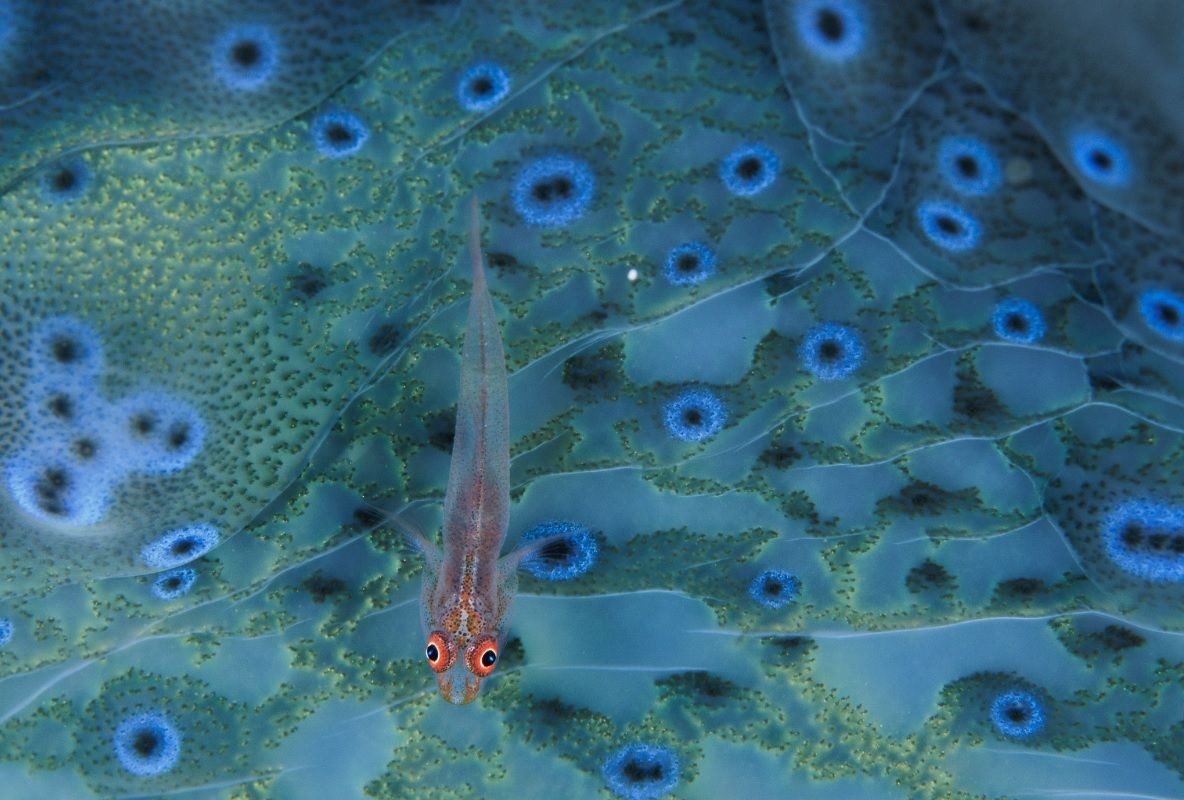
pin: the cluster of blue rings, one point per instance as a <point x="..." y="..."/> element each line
<point x="81" y="446"/>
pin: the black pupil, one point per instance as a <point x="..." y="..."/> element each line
<point x="948" y="224"/>
<point x="145" y="743"/>
<point x="772" y="586"/>
<point x="1016" y="323"/>
<point x="692" y="416"/>
<point x="172" y="583"/>
<point x="748" y="168"/>
<point x="639" y="773"/>
<point x="338" y="134"/>
<point x="557" y="188"/>
<point x="183" y="547"/>
<point x="829" y="350"/>
<point x="687" y="263"/>
<point x="482" y="85"/>
<point x="433" y="653"/>
<point x="1168" y="314"/>
<point x="142" y="424"/>
<point x="245" y="54"/>
<point x="967" y="166"/>
<point x="64" y="180"/>
<point x="830" y="25"/>
<point x="1100" y="160"/>
<point x="1016" y="713"/>
<point x="488" y="658"/>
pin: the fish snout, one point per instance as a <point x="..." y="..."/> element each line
<point x="458" y="687"/>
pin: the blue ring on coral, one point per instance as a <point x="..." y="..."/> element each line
<point x="337" y="133"/>
<point x="689" y="264"/>
<point x="641" y="771"/>
<point x="969" y="165"/>
<point x="66" y="181"/>
<point x="948" y="225"/>
<point x="174" y="583"/>
<point x="159" y="433"/>
<point x="749" y="169"/>
<point x="1160" y="525"/>
<point x="244" y="57"/>
<point x="832" y="30"/>
<point x="46" y="486"/>
<point x="1017" y="320"/>
<point x="64" y="345"/>
<point x="694" y="414"/>
<point x="482" y="86"/>
<point x="5" y="631"/>
<point x="775" y="588"/>
<point x="553" y="191"/>
<point x="151" y="731"/>
<point x="180" y="546"/>
<point x="1163" y="311"/>
<point x="1100" y="158"/>
<point x="1017" y="714"/>
<point x="831" y="351"/>
<point x="582" y="548"/>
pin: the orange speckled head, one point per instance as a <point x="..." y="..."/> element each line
<point x="461" y="648"/>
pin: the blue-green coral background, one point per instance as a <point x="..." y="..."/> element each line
<point x="293" y="667"/>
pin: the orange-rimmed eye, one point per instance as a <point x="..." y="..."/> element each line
<point x="482" y="656"/>
<point x="439" y="652"/>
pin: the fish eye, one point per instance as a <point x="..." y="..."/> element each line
<point x="438" y="652"/>
<point x="482" y="656"/>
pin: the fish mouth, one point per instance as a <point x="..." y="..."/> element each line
<point x="459" y="692"/>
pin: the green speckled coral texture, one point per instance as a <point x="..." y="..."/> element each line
<point x="985" y="505"/>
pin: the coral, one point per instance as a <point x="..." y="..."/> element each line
<point x="1017" y="320"/>
<point x="553" y="191"/>
<point x="749" y="169"/>
<point x="1017" y="714"/>
<point x="831" y="351"/>
<point x="969" y="165"/>
<point x="180" y="546"/>
<point x="174" y="583"/>
<point x="1146" y="539"/>
<point x="337" y="133"/>
<point x="948" y="225"/>
<point x="694" y="414"/>
<point x="641" y="771"/>
<point x="689" y="264"/>
<point x="482" y="87"/>
<point x="147" y="744"/>
<point x="245" y="57"/>
<point x="1100" y="158"/>
<point x="774" y="588"/>
<point x="565" y="559"/>
<point x="844" y="359"/>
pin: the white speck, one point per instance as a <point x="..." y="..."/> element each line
<point x="631" y="275"/>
